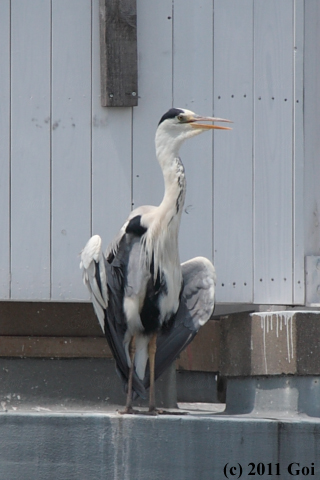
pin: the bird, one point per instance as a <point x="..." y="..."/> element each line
<point x="149" y="305"/>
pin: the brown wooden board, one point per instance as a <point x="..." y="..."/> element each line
<point x="71" y="330"/>
<point x="118" y="53"/>
<point x="202" y="354"/>
<point x="57" y="347"/>
<point x="48" y="319"/>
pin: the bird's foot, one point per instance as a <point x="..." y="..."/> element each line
<point x="159" y="411"/>
<point x="166" y="412"/>
<point x="128" y="411"/>
<point x="153" y="412"/>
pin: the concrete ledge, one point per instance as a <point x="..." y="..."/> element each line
<point x="270" y="343"/>
<point x="285" y="395"/>
<point x="272" y="362"/>
<point x="95" y="446"/>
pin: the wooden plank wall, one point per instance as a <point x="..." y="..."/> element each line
<point x="257" y="222"/>
<point x="70" y="168"/>
<point x="273" y="189"/>
<point x="192" y="89"/>
<point x="71" y="141"/>
<point x="233" y="166"/>
<point x="30" y="149"/>
<point x="5" y="150"/>
<point x="312" y="137"/>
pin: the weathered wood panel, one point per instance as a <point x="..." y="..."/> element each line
<point x="111" y="154"/>
<point x="5" y="149"/>
<point x="233" y="171"/>
<point x="203" y="353"/>
<point x="273" y="140"/>
<point x="57" y="329"/>
<point x="311" y="132"/>
<point x="71" y="144"/>
<point x="57" y="319"/>
<point x="154" y="23"/>
<point x="118" y="53"/>
<point x="59" y="178"/>
<point x="30" y="149"/>
<point x="298" y="156"/>
<point x="192" y="89"/>
<point x="57" y="347"/>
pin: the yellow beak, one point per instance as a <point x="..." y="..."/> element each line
<point x="195" y="119"/>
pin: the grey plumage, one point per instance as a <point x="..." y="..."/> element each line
<point x="145" y="301"/>
<point x="195" y="307"/>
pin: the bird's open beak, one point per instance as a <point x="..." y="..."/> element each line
<point x="194" y="122"/>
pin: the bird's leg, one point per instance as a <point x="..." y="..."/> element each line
<point x="132" y="352"/>
<point x="152" y="348"/>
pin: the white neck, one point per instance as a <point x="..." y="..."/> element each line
<point x="161" y="240"/>
<point x="174" y="178"/>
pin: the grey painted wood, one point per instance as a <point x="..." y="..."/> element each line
<point x="298" y="156"/>
<point x="5" y="149"/>
<point x="261" y="189"/>
<point x="118" y="53"/>
<point x="30" y="149"/>
<point x="111" y="154"/>
<point x="155" y="97"/>
<point x="71" y="144"/>
<point x="192" y="89"/>
<point x="273" y="175"/>
<point x="311" y="121"/>
<point x="233" y="170"/>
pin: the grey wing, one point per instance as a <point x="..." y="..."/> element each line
<point x="94" y="276"/>
<point x="105" y="282"/>
<point x="199" y="279"/>
<point x="195" y="309"/>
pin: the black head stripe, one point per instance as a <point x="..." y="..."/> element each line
<point x="172" y="113"/>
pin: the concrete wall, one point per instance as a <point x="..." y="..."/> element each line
<point x="107" y="446"/>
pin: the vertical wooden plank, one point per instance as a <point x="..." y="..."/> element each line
<point x="30" y="149"/>
<point x="71" y="143"/>
<point x="5" y="149"/>
<point x="298" y="215"/>
<point x="154" y="20"/>
<point x="111" y="154"/>
<point x="273" y="140"/>
<point x="118" y="53"/>
<point x="312" y="128"/>
<point x="233" y="99"/>
<point x="192" y="89"/>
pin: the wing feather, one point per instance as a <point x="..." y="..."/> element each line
<point x="199" y="279"/>
<point x="105" y="282"/>
<point x="94" y="276"/>
<point x="195" y="309"/>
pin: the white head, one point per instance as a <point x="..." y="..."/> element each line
<point x="179" y="124"/>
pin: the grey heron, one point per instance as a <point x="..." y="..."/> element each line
<point x="149" y="306"/>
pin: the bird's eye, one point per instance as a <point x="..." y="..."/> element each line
<point x="180" y="117"/>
